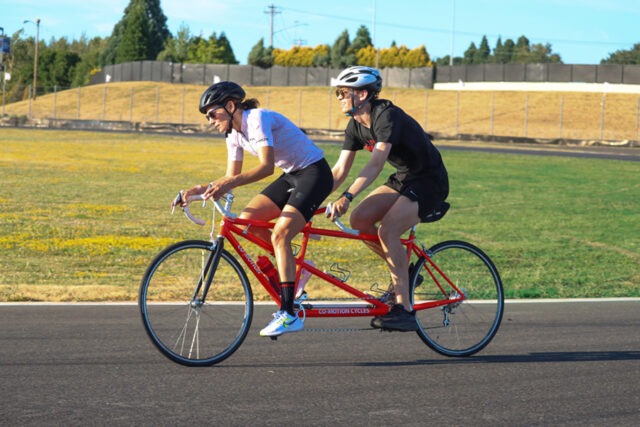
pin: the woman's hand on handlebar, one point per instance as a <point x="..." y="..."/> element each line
<point x="218" y="188"/>
<point x="187" y="195"/>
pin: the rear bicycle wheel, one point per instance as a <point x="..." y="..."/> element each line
<point x="464" y="327"/>
<point x="186" y="325"/>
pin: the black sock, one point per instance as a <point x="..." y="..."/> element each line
<point x="286" y="294"/>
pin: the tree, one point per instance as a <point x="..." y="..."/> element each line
<point x="631" y="56"/>
<point x="142" y="32"/>
<point x="260" y="56"/>
<point x="417" y="58"/>
<point x="297" y="56"/>
<point x="322" y="56"/>
<point x="135" y="36"/>
<point x="470" y="54"/>
<point x="541" y="53"/>
<point x="214" y="50"/>
<point x="521" y="51"/>
<point x="226" y="52"/>
<point x="482" y="53"/>
<point x="56" y="64"/>
<point x="394" y="56"/>
<point x="340" y="55"/>
<point x="176" y="48"/>
<point x="362" y="40"/>
<point x="503" y="53"/>
<point x="89" y="64"/>
<point x="525" y="53"/>
<point x="19" y="63"/>
<point x="367" y="56"/>
<point x="445" y="60"/>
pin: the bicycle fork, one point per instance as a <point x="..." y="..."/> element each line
<point x="189" y="336"/>
<point x="209" y="267"/>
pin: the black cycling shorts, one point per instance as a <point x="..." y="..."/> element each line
<point x="430" y="194"/>
<point x="304" y="189"/>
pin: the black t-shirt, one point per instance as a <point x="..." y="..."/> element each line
<point x="412" y="152"/>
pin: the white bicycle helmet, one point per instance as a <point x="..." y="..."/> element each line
<point x="359" y="77"/>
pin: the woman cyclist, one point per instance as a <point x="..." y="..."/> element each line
<point x="415" y="193"/>
<point x="292" y="198"/>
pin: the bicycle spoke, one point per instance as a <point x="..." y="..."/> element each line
<point x="207" y="333"/>
<point x="461" y="326"/>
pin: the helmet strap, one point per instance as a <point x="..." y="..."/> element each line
<point x="355" y="108"/>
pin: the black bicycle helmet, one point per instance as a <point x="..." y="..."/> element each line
<point x="219" y="93"/>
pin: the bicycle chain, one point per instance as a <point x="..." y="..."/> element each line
<point x="337" y="329"/>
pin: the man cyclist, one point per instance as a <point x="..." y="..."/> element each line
<point x="292" y="198"/>
<point x="415" y="193"/>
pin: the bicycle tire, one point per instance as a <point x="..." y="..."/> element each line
<point x="466" y="327"/>
<point x="179" y="324"/>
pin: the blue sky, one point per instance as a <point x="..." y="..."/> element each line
<point x="581" y="31"/>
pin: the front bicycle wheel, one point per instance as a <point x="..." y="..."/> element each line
<point x="471" y="281"/>
<point x="196" y="303"/>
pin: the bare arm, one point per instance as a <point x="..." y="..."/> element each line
<point x="366" y="176"/>
<point x="372" y="169"/>
<point x="235" y="177"/>
<point x="342" y="167"/>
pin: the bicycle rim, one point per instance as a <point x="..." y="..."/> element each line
<point x="181" y="325"/>
<point x="465" y="327"/>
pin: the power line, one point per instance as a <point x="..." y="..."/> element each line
<point x="457" y="32"/>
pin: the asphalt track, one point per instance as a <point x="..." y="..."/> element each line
<point x="625" y="153"/>
<point x="552" y="363"/>
<point x="597" y="152"/>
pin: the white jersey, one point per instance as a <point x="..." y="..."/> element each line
<point x="293" y="150"/>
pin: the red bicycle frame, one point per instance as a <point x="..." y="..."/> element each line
<point x="230" y="227"/>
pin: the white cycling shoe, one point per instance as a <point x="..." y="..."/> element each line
<point x="282" y="323"/>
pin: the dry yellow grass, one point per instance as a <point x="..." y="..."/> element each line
<point x="552" y="115"/>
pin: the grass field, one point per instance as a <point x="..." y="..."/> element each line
<point x="82" y="214"/>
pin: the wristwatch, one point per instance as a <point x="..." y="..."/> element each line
<point x="348" y="196"/>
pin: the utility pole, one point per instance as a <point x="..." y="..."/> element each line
<point x="272" y="11"/>
<point x="35" y="59"/>
<point x="373" y="27"/>
<point x="453" y="30"/>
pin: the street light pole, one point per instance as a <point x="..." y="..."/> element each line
<point x="2" y="68"/>
<point x="35" y="59"/>
<point x="453" y="30"/>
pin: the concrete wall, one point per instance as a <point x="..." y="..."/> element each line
<point x="207" y="74"/>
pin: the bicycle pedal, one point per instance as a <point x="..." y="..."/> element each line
<point x="274" y="338"/>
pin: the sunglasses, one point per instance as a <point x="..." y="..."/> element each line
<point x="211" y="114"/>
<point x="342" y="93"/>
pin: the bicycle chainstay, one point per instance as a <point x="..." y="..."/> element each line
<point x="308" y="302"/>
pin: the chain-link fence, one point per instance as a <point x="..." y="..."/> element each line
<point x="537" y="115"/>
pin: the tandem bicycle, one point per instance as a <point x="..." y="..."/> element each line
<point x="197" y="304"/>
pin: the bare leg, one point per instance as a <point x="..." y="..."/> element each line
<point x="260" y="208"/>
<point x="290" y="223"/>
<point x="402" y="216"/>
<point x="395" y="215"/>
<point x="370" y="212"/>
